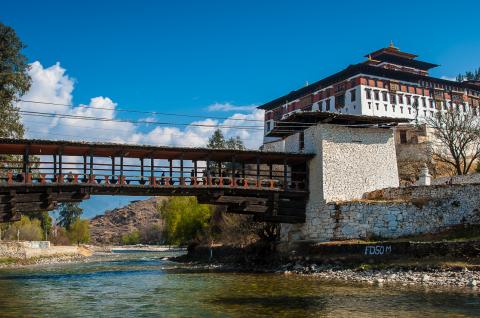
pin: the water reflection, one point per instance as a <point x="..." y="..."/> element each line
<point x="137" y="285"/>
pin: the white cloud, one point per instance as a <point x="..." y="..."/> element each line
<point x="53" y="85"/>
<point x="449" y="78"/>
<point x="227" y="107"/>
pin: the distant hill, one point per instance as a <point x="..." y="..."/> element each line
<point x="109" y="227"/>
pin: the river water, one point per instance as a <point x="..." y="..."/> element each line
<point x="147" y="285"/>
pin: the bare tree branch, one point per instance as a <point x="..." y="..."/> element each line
<point x="456" y="138"/>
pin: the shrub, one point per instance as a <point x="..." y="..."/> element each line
<point x="131" y="238"/>
<point x="25" y="229"/>
<point x="59" y="236"/>
<point x="185" y="219"/>
<point x="79" y="232"/>
<point x="152" y="234"/>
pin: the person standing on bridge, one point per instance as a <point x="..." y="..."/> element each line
<point x="162" y="178"/>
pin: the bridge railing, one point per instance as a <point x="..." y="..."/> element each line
<point x="102" y="171"/>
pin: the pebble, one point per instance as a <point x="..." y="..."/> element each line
<point x="432" y="277"/>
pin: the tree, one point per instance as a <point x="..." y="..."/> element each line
<point x="25" y="229"/>
<point x="79" y="231"/>
<point x="456" y="139"/>
<point x="45" y="222"/>
<point x="69" y="213"/>
<point x="14" y="82"/>
<point x="469" y="76"/>
<point x="131" y="238"/>
<point x="59" y="237"/>
<point x="185" y="219"/>
<point x="218" y="141"/>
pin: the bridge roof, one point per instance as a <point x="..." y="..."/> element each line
<point x="77" y="148"/>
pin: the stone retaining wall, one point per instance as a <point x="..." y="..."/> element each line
<point x="391" y="213"/>
<point x="25" y="249"/>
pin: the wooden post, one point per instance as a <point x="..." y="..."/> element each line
<point x="60" y="168"/>
<point x="26" y="161"/>
<point x="208" y="171"/>
<point x="113" y="168"/>
<point x="181" y="170"/>
<point x="258" y="171"/>
<point x="152" y="168"/>
<point x="54" y="167"/>
<point x="170" y="163"/>
<point x="91" y="166"/>
<point x="270" y="171"/>
<point x="233" y="172"/>
<point x="84" y="168"/>
<point x="26" y="165"/>
<point x="195" y="168"/>
<point x="121" y="167"/>
<point x="141" y="170"/>
<point x="285" y="174"/>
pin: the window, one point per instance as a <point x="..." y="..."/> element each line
<point x="353" y="95"/>
<point x="384" y="96"/>
<point x="301" y="140"/>
<point x="339" y="101"/>
<point x="401" y="109"/>
<point x="409" y="110"/>
<point x="464" y="107"/>
<point x="400" y="99"/>
<point x="415" y="101"/>
<point x="432" y="105"/>
<point x="268" y="126"/>
<point x="403" y="136"/>
<point x="431" y="113"/>
<point x="393" y="98"/>
<point x="369" y="93"/>
<point x="409" y="100"/>
<point x="327" y="105"/>
<point x="376" y="95"/>
<point x="377" y="105"/>
<point x="424" y="113"/>
<point x="369" y="105"/>
<point x="386" y="107"/>
<point x="424" y="102"/>
<point x="393" y="108"/>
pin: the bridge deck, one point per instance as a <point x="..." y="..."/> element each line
<point x="35" y="175"/>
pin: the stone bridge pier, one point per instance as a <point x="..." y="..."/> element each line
<point x="355" y="193"/>
<point x="349" y="162"/>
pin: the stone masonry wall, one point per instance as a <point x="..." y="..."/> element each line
<point x="348" y="162"/>
<point x="400" y="212"/>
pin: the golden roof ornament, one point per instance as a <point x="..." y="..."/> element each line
<point x="392" y="46"/>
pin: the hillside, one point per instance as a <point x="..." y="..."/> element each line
<point x="109" y="228"/>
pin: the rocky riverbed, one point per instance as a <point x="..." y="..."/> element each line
<point x="453" y="277"/>
<point x="404" y="277"/>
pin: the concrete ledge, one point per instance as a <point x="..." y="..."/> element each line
<point x="26" y="249"/>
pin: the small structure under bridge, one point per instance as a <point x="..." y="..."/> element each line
<point x="36" y="175"/>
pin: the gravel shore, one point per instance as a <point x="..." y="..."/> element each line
<point x="40" y="261"/>
<point x="432" y="278"/>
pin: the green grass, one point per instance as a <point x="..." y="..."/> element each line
<point x="460" y="233"/>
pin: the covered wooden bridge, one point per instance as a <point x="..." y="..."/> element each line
<point x="36" y="175"/>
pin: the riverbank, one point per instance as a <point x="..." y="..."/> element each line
<point x="434" y="264"/>
<point x="11" y="263"/>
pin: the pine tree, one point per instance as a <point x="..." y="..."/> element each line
<point x="14" y="82"/>
<point x="69" y="213"/>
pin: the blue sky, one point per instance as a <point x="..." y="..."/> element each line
<point x="182" y="56"/>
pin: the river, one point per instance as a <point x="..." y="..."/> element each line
<point x="147" y="285"/>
